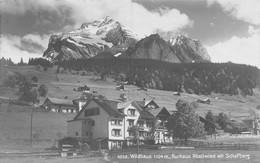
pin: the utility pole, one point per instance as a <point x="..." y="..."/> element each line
<point x="31" y="128"/>
<point x="137" y="136"/>
<point x="9" y="119"/>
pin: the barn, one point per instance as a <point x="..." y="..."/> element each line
<point x="59" y="105"/>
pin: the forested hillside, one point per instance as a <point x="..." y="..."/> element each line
<point x="199" y="78"/>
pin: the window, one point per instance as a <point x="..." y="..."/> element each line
<point x="92" y="112"/>
<point x="157" y="135"/>
<point x="149" y="124"/>
<point x="91" y="122"/>
<point x="142" y="134"/>
<point x="131" y="112"/>
<point x="151" y="106"/>
<point x="141" y="123"/>
<point x="130" y="133"/>
<point x="116" y="132"/>
<point x="130" y="122"/>
<point x="149" y="134"/>
<point x="116" y="122"/>
<point x="87" y="133"/>
<point x="76" y="133"/>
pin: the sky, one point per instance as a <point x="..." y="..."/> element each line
<point x="229" y="29"/>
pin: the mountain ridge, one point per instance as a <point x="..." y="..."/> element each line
<point x="110" y="35"/>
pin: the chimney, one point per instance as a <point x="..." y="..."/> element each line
<point x="123" y="97"/>
<point x="144" y="101"/>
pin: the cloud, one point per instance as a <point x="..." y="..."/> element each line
<point x="244" y="50"/>
<point x="131" y="14"/>
<point x="245" y="10"/>
<point x="28" y="46"/>
<point x="238" y="50"/>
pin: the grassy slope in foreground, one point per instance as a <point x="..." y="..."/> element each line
<point x="50" y="124"/>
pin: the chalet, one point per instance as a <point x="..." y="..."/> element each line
<point x="161" y="135"/>
<point x="147" y="104"/>
<point x="59" y="105"/>
<point x="109" y="122"/>
<point x="161" y="114"/>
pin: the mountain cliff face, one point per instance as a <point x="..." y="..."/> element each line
<point x="89" y="40"/>
<point x="177" y="50"/>
<point x="188" y="50"/>
<point x="152" y="47"/>
<point x="109" y="36"/>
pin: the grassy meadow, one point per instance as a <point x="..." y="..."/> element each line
<point x="15" y="120"/>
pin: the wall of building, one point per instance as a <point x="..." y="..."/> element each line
<point x="129" y="117"/>
<point x="87" y="128"/>
<point x="75" y="127"/>
<point x="100" y="129"/>
<point x="112" y="126"/>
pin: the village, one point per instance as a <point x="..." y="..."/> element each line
<point x="112" y="124"/>
<point x="85" y="117"/>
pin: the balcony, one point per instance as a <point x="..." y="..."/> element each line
<point x="160" y="127"/>
<point x="144" y="129"/>
<point x="129" y="127"/>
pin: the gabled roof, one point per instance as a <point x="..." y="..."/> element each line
<point x="58" y="101"/>
<point x="149" y="102"/>
<point x="103" y="105"/>
<point x="156" y="112"/>
<point x="140" y="103"/>
<point x="108" y="109"/>
<point x="145" y="103"/>
<point x="146" y="115"/>
<point x="85" y="97"/>
<point x="137" y="106"/>
<point x="124" y="104"/>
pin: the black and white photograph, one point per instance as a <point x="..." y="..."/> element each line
<point x="129" y="81"/>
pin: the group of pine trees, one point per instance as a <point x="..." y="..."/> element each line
<point x="40" y="61"/>
<point x="198" y="78"/>
<point x="4" y="61"/>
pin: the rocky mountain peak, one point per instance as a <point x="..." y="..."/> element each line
<point x="107" y="34"/>
<point x="90" y="39"/>
<point x="185" y="46"/>
<point x="152" y="47"/>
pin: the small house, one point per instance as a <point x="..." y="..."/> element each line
<point x="59" y="105"/>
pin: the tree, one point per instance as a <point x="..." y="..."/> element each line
<point x="211" y="123"/>
<point x="135" y="132"/>
<point x="185" y="124"/>
<point x="21" y="62"/>
<point x="34" y="79"/>
<point x="30" y="96"/>
<point x="223" y="120"/>
<point x="25" y="85"/>
<point x="43" y="90"/>
<point x="10" y="82"/>
<point x="25" y="91"/>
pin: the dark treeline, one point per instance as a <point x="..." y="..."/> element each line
<point x="40" y="61"/>
<point x="198" y="78"/>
